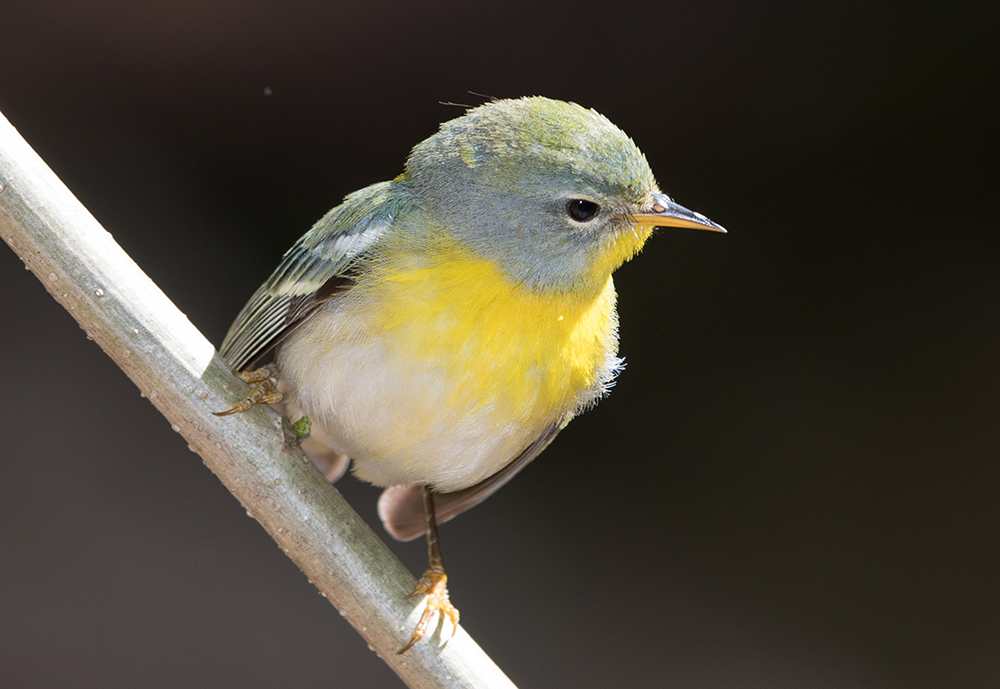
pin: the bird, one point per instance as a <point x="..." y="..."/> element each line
<point x="440" y="329"/>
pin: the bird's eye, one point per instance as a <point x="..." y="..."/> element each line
<point x="582" y="210"/>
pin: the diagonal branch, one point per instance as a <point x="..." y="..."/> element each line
<point x="179" y="371"/>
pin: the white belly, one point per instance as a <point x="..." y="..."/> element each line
<point x="400" y="421"/>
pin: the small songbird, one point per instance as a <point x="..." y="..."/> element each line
<point x="441" y="328"/>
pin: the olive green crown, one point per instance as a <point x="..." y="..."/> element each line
<point x="516" y="145"/>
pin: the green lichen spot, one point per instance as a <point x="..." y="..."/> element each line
<point x="302" y="428"/>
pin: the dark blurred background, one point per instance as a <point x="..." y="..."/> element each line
<point x="796" y="480"/>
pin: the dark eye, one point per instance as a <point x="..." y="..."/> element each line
<point x="582" y="210"/>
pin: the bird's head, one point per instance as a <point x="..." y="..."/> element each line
<point x="554" y="193"/>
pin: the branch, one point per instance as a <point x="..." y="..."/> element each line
<point x="179" y="371"/>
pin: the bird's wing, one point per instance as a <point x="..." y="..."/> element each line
<point x="312" y="273"/>
<point x="401" y="508"/>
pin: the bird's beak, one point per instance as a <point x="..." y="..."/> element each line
<point x="666" y="213"/>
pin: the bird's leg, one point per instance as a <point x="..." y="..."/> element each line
<point x="434" y="581"/>
<point x="264" y="390"/>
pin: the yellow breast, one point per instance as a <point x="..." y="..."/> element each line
<point x="500" y="343"/>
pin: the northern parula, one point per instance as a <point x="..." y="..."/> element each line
<point x="441" y="328"/>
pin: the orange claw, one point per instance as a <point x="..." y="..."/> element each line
<point x="434" y="583"/>
<point x="264" y="391"/>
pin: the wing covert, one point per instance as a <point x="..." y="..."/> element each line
<point x="313" y="271"/>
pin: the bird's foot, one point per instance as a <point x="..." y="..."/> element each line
<point x="264" y="390"/>
<point x="434" y="583"/>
